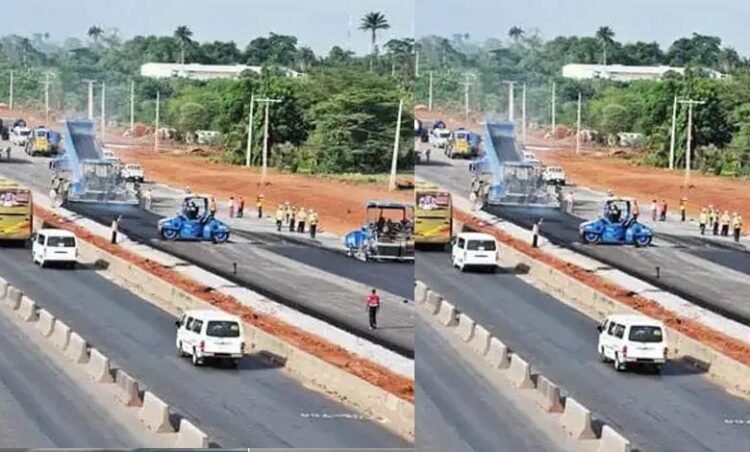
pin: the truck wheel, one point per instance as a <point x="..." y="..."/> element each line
<point x="220" y="237"/>
<point x="169" y="234"/>
<point x="591" y="237"/>
<point x="642" y="240"/>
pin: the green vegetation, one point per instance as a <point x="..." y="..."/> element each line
<point x="721" y="133"/>
<point x="340" y="117"/>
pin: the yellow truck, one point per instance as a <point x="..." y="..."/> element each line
<point x="433" y="216"/>
<point x="459" y="144"/>
<point x="16" y="211"/>
<point x="39" y="143"/>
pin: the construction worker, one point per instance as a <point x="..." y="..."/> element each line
<point x="301" y="218"/>
<point x="663" y="210"/>
<point x="313" y="220"/>
<point x="373" y="305"/>
<point x="212" y="206"/>
<point x="148" y="199"/>
<point x="683" y="205"/>
<point x="259" y="204"/>
<point x="114" y="228"/>
<point x="241" y="207"/>
<point x="292" y="218"/>
<point x="715" y="223"/>
<point x="702" y="219"/>
<point x="711" y="213"/>
<point x="654" y="209"/>
<point x="725" y="221"/>
<point x="280" y="214"/>
<point x="736" y="226"/>
<point x="230" y="206"/>
<point x="636" y="209"/>
<point x="287" y="212"/>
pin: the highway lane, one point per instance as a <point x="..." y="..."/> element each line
<point x="254" y="406"/>
<point x="312" y="280"/>
<point x="459" y="410"/>
<point x="678" y="410"/>
<point x="42" y="406"/>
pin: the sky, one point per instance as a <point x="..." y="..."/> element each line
<point x="662" y="21"/>
<point x="319" y="24"/>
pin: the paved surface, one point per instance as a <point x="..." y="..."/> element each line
<point x="254" y="406"/>
<point x="313" y="280"/>
<point x="705" y="273"/>
<point x="678" y="410"/>
<point x="41" y="406"/>
<point x="458" y="409"/>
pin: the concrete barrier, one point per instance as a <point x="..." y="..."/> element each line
<point x="60" y="335"/>
<point x="576" y="420"/>
<point x="446" y="315"/>
<point x="611" y="441"/>
<point x="46" y="322"/>
<point x="98" y="367"/>
<point x="433" y="302"/>
<point x="3" y="288"/>
<point x="465" y="328"/>
<point x="420" y="292"/>
<point x="76" y="349"/>
<point x="14" y="297"/>
<point x="480" y="342"/>
<point x="549" y="395"/>
<point x="519" y="372"/>
<point x="128" y="392"/>
<point x="26" y="309"/>
<point x="497" y="355"/>
<point x="155" y="414"/>
<point x="189" y="436"/>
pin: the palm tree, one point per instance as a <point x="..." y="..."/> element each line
<point x="95" y="32"/>
<point x="515" y="33"/>
<point x="605" y="35"/>
<point x="373" y="22"/>
<point x="183" y="34"/>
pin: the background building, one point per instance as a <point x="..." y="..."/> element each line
<point x="624" y="73"/>
<point x="201" y="71"/>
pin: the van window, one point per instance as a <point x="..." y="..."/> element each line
<point x="645" y="334"/>
<point x="481" y="245"/>
<point x="197" y="325"/>
<point x="619" y="331"/>
<point x="40" y="239"/>
<point x="189" y="323"/>
<point x="223" y="328"/>
<point x="461" y="242"/>
<point x="611" y="329"/>
<point x="63" y="242"/>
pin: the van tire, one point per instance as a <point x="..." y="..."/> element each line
<point x="194" y="358"/>
<point x="618" y="365"/>
<point x="602" y="356"/>
<point x="180" y="352"/>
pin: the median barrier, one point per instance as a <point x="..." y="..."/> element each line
<point x="128" y="392"/>
<point x="60" y="334"/>
<point x="46" y="322"/>
<point x="576" y="420"/>
<point x="433" y="302"/>
<point x="519" y="372"/>
<point x="446" y="315"/>
<point x="612" y="441"/>
<point x="420" y="291"/>
<point x="465" y="329"/>
<point x="14" y="297"/>
<point x="497" y="355"/>
<point x="76" y="349"/>
<point x="98" y="367"/>
<point x="480" y="342"/>
<point x="190" y="436"/>
<point x="26" y="309"/>
<point x="549" y="395"/>
<point x="3" y="288"/>
<point x="155" y="414"/>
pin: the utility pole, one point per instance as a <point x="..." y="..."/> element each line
<point x="249" y="151"/>
<point x="10" y="101"/>
<point x="91" y="98"/>
<point x="429" y="103"/>
<point x="266" y="101"/>
<point x="554" y="108"/>
<point x="467" y="84"/>
<point x="396" y="141"/>
<point x="46" y="97"/>
<point x="690" y="103"/>
<point x="156" y="126"/>
<point x="510" y="100"/>
<point x="523" y="114"/>
<point x="416" y="64"/>
<point x="671" y="141"/>
<point x="104" y="110"/>
<point x="132" y="105"/>
<point x="578" y="126"/>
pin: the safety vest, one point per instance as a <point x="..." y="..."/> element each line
<point x="702" y="218"/>
<point x="737" y="222"/>
<point x="279" y="214"/>
<point x="725" y="219"/>
<point x="301" y="216"/>
<point x="313" y="219"/>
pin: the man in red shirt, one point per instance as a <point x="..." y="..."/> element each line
<point x="373" y="304"/>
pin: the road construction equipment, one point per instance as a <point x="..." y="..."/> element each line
<point x="195" y="221"/>
<point x="388" y="233"/>
<point x="617" y="225"/>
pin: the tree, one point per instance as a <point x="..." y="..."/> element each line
<point x="95" y="32"/>
<point x="183" y="35"/>
<point x="606" y="36"/>
<point x="372" y="22"/>
<point x="515" y="33"/>
<point x="280" y="50"/>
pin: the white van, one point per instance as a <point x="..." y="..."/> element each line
<point x="474" y="249"/>
<point x="207" y="334"/>
<point x="55" y="246"/>
<point x="632" y="339"/>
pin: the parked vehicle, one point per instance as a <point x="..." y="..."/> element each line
<point x="554" y="175"/>
<point x="194" y="222"/>
<point x="617" y="225"/>
<point x="458" y="145"/>
<point x="632" y="340"/>
<point x="39" y="143"/>
<point x="474" y="250"/>
<point x="433" y="215"/>
<point x="441" y="138"/>
<point x="132" y="172"/>
<point x="208" y="334"/>
<point x="55" y="246"/>
<point x="20" y="135"/>
<point x="16" y="211"/>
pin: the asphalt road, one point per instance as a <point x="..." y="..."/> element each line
<point x="254" y="406"/>
<point x="41" y="406"/>
<point x="459" y="410"/>
<point x="679" y="410"/>
<point x="268" y="267"/>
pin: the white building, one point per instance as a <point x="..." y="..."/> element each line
<point x="622" y="73"/>
<point x="200" y="71"/>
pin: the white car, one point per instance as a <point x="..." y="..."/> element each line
<point x="441" y="138"/>
<point x="208" y="334"/>
<point x="20" y="136"/>
<point x="628" y="339"/>
<point x="56" y="246"/>
<point x="554" y="175"/>
<point x="132" y="172"/>
<point x="474" y="250"/>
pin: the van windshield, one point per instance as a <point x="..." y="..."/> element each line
<point x="481" y="245"/>
<point x="64" y="242"/>
<point x="223" y="329"/>
<point x="645" y="334"/>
